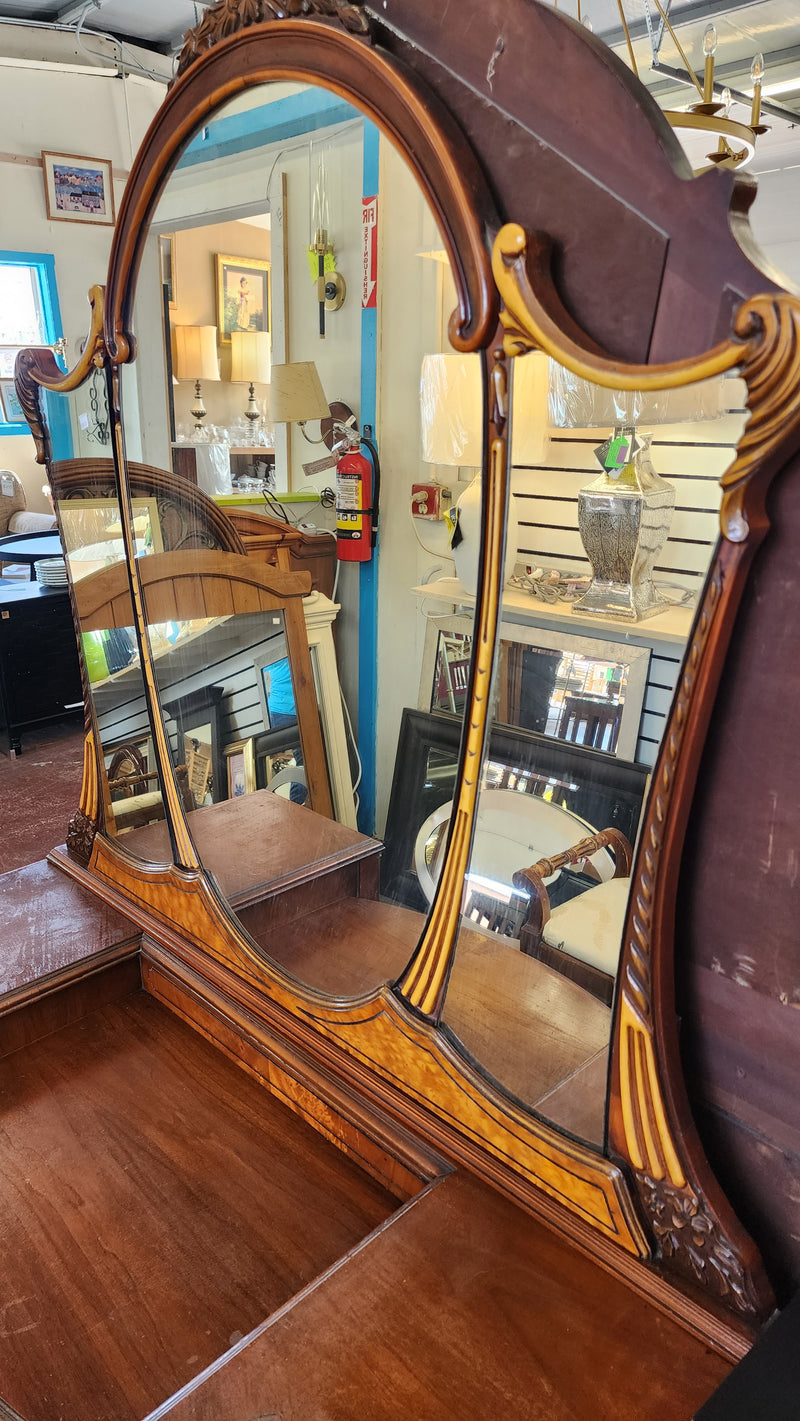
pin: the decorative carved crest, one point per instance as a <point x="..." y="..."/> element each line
<point x="228" y="17"/>
<point x="37" y="369"/>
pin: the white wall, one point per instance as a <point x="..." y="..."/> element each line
<point x="83" y="114"/>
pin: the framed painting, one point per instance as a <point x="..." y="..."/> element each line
<point x="242" y="295"/>
<point x="10" y="407"/>
<point x="78" y="189"/>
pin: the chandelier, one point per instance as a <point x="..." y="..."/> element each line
<point x="731" y="143"/>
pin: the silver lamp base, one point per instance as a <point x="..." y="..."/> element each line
<point x="624" y="523"/>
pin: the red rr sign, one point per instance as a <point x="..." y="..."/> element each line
<point x="369" y="227"/>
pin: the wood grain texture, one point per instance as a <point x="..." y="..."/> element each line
<point x="261" y="842"/>
<point x="49" y="923"/>
<point x="461" y="1307"/>
<point x="155" y="1201"/>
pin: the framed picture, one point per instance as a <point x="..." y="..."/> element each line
<point x="78" y="189"/>
<point x="198" y="743"/>
<point x="242" y="295"/>
<point x="275" y="688"/>
<point x="241" y="767"/>
<point x="10" y="407"/>
<point x="605" y="791"/>
<point x="579" y="689"/>
<point x="166" y="259"/>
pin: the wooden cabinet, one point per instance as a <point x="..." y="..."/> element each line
<point x="40" y="676"/>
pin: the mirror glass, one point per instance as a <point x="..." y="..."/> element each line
<point x="613" y="522"/>
<point x="94" y="557"/>
<point x="294" y="293"/>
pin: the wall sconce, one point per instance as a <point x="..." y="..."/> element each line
<point x="250" y="365"/>
<point x="296" y="396"/>
<point x="196" y="359"/>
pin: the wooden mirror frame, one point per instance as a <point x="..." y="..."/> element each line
<point x="651" y="1199"/>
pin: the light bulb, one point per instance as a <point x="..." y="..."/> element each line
<point x="710" y="41"/>
<point x="757" y="69"/>
<point x="727" y="100"/>
<point x="587" y="24"/>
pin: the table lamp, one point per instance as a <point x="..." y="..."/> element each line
<point x="196" y="359"/>
<point x="250" y="365"/>
<point x="624" y="516"/>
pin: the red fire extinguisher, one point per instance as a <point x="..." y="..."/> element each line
<point x="357" y="484"/>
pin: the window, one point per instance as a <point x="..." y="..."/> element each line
<point x="29" y="315"/>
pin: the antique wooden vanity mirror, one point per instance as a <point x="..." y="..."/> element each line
<point x="263" y="919"/>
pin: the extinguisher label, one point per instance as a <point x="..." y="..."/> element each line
<point x="348" y="493"/>
<point x="369" y="226"/>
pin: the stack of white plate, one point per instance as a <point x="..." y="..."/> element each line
<point x="52" y="572"/>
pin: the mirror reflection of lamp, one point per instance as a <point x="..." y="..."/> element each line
<point x="250" y="365"/>
<point x="451" y="408"/>
<point x="196" y="359"/>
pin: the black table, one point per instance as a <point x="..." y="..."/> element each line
<point x="40" y="678"/>
<point x="30" y="548"/>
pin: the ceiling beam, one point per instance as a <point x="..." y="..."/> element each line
<point x="686" y="15"/>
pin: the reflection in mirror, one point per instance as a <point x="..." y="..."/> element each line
<point x="91" y="533"/>
<point x="613" y="532"/>
<point x="289" y="720"/>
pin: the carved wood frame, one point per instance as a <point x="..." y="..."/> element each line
<point x="675" y="1212"/>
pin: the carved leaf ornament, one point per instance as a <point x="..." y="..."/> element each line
<point x="231" y="16"/>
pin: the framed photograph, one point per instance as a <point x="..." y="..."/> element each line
<point x="241" y="767"/>
<point x="79" y="189"/>
<point x="578" y="689"/>
<point x="10" y="407"/>
<point x="242" y="295"/>
<point x="603" y="790"/>
<point x="166" y="259"/>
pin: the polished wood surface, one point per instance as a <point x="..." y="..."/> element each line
<point x="156" y="1205"/>
<point x="526" y="1025"/>
<point x="461" y="1308"/>
<point x="50" y="924"/>
<point x="258" y="843"/>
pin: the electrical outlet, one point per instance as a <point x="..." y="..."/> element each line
<point x="428" y="500"/>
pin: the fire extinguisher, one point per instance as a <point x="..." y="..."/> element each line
<point x="357" y="487"/>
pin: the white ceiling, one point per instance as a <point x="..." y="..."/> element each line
<point x="159" y="23"/>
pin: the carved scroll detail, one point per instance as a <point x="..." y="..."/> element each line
<point x="85" y="822"/>
<point x="37" y="369"/>
<point x="228" y="17"/>
<point x="81" y="835"/>
<point x="686" y="1231"/>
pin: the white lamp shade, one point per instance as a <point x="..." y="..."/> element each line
<point x="575" y="403"/>
<point x="196" y="353"/>
<point x="296" y="394"/>
<point x="451" y="409"/>
<point x="250" y="360"/>
<point x="530" y="384"/>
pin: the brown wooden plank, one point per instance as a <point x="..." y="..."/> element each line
<point x="155" y="1203"/>
<point x="462" y="1307"/>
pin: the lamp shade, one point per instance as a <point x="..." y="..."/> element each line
<point x="296" y="394"/>
<point x="250" y="360"/>
<point x="529" y="408"/>
<point x="196" y="353"/>
<point x="451" y="409"/>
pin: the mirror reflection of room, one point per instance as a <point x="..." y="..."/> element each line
<point x="251" y="230"/>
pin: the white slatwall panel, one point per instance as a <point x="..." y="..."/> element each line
<point x="692" y="457"/>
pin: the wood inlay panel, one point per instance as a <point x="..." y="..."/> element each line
<point x="154" y="1202"/>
